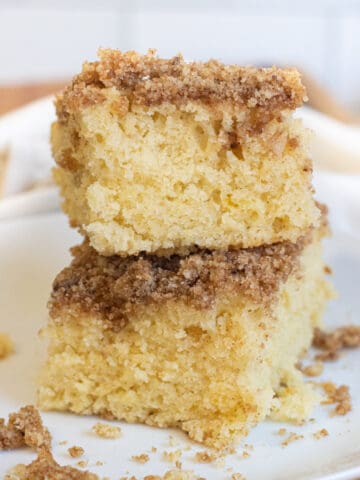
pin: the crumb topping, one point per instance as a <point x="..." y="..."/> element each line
<point x="332" y="342"/>
<point x="46" y="468"/>
<point x="24" y="428"/>
<point x="149" y="80"/>
<point x="106" y="431"/>
<point x="114" y="286"/>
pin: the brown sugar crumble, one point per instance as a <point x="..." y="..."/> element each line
<point x="76" y="451"/>
<point x="122" y="283"/>
<point x="338" y="395"/>
<point x="104" y="430"/>
<point x="293" y="437"/>
<point x="6" y="345"/>
<point x="46" y="468"/>
<point x="332" y="342"/>
<point x="321" y="434"/>
<point x="149" y="80"/>
<point x="142" y="458"/>
<point x="25" y="428"/>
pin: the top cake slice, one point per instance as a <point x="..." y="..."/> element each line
<point x="158" y="155"/>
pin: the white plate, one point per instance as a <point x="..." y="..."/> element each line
<point x="33" y="249"/>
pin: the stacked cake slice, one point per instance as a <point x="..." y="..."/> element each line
<point x="200" y="279"/>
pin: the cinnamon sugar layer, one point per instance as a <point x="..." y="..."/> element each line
<point x="149" y="80"/>
<point x="114" y="286"/>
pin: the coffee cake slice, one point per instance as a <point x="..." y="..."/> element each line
<point x="206" y="342"/>
<point x="159" y="154"/>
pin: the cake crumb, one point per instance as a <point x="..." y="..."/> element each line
<point x="104" y="430"/>
<point x="153" y="449"/>
<point x="245" y="454"/>
<point x="338" y="395"/>
<point x="142" y="458"/>
<point x="178" y="464"/>
<point x="172" y="456"/>
<point x="99" y="463"/>
<point x="332" y="342"/>
<point x="75" y="451"/>
<point x="248" y="446"/>
<point x="321" y="434"/>
<point x="293" y="437"/>
<point x="312" y="370"/>
<point x="6" y="345"/>
<point x="205" y="457"/>
<point x="82" y="463"/>
<point x="281" y="431"/>
<point x="63" y="442"/>
<point x="173" y="442"/>
<point x="237" y="476"/>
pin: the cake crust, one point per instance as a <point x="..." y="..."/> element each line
<point x="149" y="80"/>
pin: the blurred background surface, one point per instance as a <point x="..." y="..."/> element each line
<point x="47" y="40"/>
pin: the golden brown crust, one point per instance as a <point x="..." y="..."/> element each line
<point x="149" y="80"/>
<point x="112" y="287"/>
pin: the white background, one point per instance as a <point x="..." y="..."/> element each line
<point x="44" y="39"/>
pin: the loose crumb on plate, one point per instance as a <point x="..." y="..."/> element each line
<point x="321" y="434"/>
<point x="82" y="463"/>
<point x="293" y="437"/>
<point x="142" y="458"/>
<point x="338" y="395"/>
<point x="332" y="342"/>
<point x="281" y="431"/>
<point x="6" y="345"/>
<point x="205" y="457"/>
<point x="76" y="451"/>
<point x="104" y="430"/>
<point x="237" y="476"/>
<point x="25" y="428"/>
<point x="172" y="456"/>
<point x="63" y="442"/>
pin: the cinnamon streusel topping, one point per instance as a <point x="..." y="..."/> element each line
<point x="114" y="286"/>
<point x="149" y="80"/>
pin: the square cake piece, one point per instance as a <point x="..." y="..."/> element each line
<point x="206" y="341"/>
<point x="162" y="155"/>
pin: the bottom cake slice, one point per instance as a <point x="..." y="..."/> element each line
<point x="207" y="342"/>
